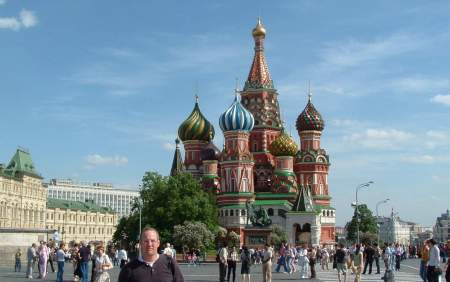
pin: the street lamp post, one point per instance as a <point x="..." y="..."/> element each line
<point x="363" y="185"/>
<point x="140" y="203"/>
<point x="378" y="229"/>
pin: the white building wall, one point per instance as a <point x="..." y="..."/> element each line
<point x="119" y="200"/>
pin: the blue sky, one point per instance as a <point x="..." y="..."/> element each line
<point x="96" y="90"/>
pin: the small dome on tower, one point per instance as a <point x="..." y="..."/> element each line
<point x="259" y="30"/>
<point x="310" y="118"/>
<point x="237" y="117"/>
<point x="196" y="126"/>
<point x="283" y="145"/>
<point x="210" y="152"/>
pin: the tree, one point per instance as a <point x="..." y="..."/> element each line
<point x="277" y="236"/>
<point x="193" y="235"/>
<point x="367" y="223"/>
<point x="233" y="239"/>
<point x="167" y="202"/>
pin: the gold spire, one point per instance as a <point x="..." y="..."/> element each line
<point x="259" y="30"/>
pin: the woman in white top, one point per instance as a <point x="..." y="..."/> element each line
<point x="102" y="264"/>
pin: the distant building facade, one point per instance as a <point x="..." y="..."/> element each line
<point x="395" y="230"/>
<point x="441" y="230"/>
<point x="22" y="196"/>
<point x="80" y="221"/>
<point x="104" y="195"/>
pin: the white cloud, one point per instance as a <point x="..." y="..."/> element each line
<point x="425" y="159"/>
<point x="380" y="138"/>
<point x="98" y="160"/>
<point x="26" y="19"/>
<point x="420" y="84"/>
<point x="352" y="53"/>
<point x="441" y="99"/>
<point x="2" y="2"/>
<point x="169" y="146"/>
<point x="9" y="23"/>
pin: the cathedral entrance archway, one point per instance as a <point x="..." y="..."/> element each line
<point x="302" y="234"/>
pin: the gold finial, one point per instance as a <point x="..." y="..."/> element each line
<point x="259" y="30"/>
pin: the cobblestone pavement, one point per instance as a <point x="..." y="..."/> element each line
<point x="209" y="272"/>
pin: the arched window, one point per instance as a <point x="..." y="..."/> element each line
<point x="243" y="212"/>
<point x="328" y="213"/>
<point x="270" y="212"/>
<point x="323" y="213"/>
<point x="231" y="212"/>
<point x="226" y="212"/>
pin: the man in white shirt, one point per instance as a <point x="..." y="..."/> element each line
<point x="122" y="257"/>
<point x="267" y="263"/>
<point x="223" y="255"/>
<point x="433" y="262"/>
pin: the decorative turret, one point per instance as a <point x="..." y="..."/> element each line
<point x="196" y="126"/>
<point x="236" y="118"/>
<point x="304" y="202"/>
<point x="195" y="132"/>
<point x="177" y="163"/>
<point x="310" y="118"/>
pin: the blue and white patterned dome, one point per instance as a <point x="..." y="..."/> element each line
<point x="237" y="117"/>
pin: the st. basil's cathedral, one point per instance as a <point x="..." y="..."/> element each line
<point x="260" y="176"/>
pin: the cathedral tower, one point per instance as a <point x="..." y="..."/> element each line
<point x="260" y="98"/>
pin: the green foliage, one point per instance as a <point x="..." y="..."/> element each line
<point x="167" y="202"/>
<point x="193" y="235"/>
<point x="233" y="239"/>
<point x="277" y="236"/>
<point x="367" y="223"/>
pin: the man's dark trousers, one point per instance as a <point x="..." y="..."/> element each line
<point x="222" y="271"/>
<point x="368" y="262"/>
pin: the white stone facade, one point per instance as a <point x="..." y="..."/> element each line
<point x="104" y="195"/>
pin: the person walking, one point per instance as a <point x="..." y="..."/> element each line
<point x="18" y="264"/>
<point x="43" y="257"/>
<point x="312" y="262"/>
<point x="282" y="259"/>
<point x="222" y="257"/>
<point x="31" y="260"/>
<point x="245" y="266"/>
<point x="424" y="253"/>
<point x="85" y="257"/>
<point x="102" y="264"/>
<point x="267" y="263"/>
<point x="357" y="263"/>
<point x="369" y="254"/>
<point x="303" y="262"/>
<point x="60" y="260"/>
<point x="341" y="264"/>
<point x="398" y="256"/>
<point x="51" y="254"/>
<point x="232" y="261"/>
<point x="150" y="266"/>
<point x="433" y="262"/>
<point x="376" y="257"/>
<point x="324" y="258"/>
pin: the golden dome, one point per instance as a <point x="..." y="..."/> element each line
<point x="283" y="145"/>
<point x="259" y="30"/>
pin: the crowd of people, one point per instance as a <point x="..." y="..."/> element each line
<point x="159" y="264"/>
<point x="80" y="255"/>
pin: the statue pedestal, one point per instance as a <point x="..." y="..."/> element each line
<point x="256" y="237"/>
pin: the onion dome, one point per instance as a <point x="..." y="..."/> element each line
<point x="237" y="117"/>
<point x="310" y="118"/>
<point x="283" y="145"/>
<point x="259" y="30"/>
<point x="210" y="152"/>
<point x="196" y="126"/>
